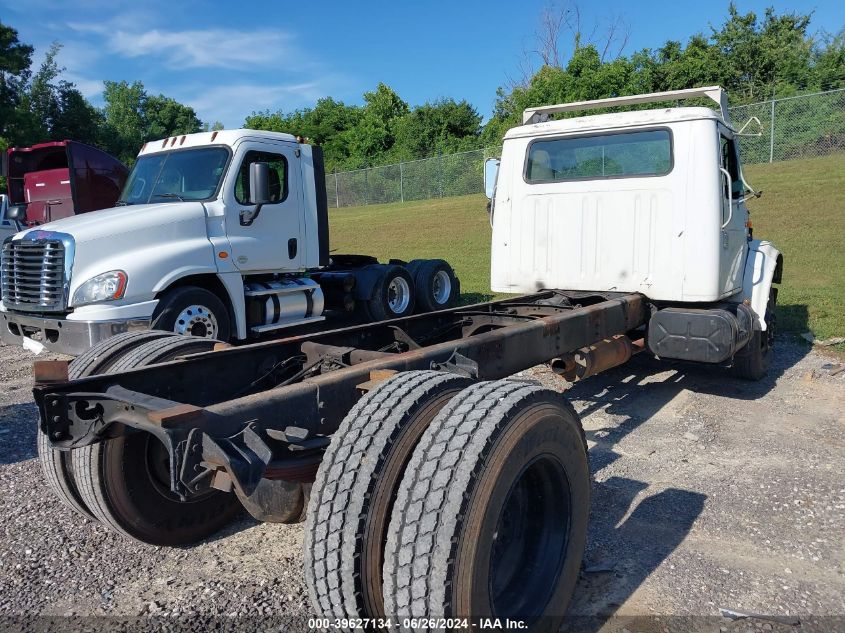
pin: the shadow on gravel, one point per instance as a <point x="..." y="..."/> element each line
<point x="636" y="391"/>
<point x="18" y="424"/>
<point x="624" y="551"/>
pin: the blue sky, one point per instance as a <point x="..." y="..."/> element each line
<point x="227" y="59"/>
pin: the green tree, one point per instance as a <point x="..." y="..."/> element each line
<point x="445" y="125"/>
<point x="124" y="118"/>
<point x="165" y="117"/>
<point x="132" y="118"/>
<point x="15" y="60"/>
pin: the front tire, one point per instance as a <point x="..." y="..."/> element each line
<point x="752" y="361"/>
<point x="192" y="311"/>
<point x="491" y="515"/>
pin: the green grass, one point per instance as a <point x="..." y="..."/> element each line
<point x="802" y="212"/>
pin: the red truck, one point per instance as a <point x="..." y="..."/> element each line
<point x="59" y="179"/>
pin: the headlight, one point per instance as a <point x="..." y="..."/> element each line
<point x="106" y="287"/>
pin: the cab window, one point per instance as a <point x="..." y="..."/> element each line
<point x="615" y="155"/>
<point x="278" y="176"/>
<point x="730" y="162"/>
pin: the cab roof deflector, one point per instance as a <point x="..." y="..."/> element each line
<point x="715" y="93"/>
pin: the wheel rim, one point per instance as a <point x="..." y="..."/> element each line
<point x="441" y="287"/>
<point x="157" y="463"/>
<point x="398" y="295"/>
<point x="196" y="320"/>
<point x="532" y="536"/>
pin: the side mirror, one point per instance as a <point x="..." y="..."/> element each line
<point x="259" y="191"/>
<point x="4" y="163"/>
<point x="16" y="213"/>
<point x="491" y="172"/>
<point x="259" y="183"/>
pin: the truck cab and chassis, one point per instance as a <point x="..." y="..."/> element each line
<point x="430" y="485"/>
<point x="223" y="235"/>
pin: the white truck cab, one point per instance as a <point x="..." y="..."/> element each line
<point x="218" y="234"/>
<point x="649" y="201"/>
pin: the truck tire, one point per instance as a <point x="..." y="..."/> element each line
<point x="491" y="514"/>
<point x="752" y="361"/>
<point x="194" y="311"/>
<point x="437" y="286"/>
<point x="124" y="481"/>
<point x="393" y="296"/>
<point x="352" y="497"/>
<point x="57" y="465"/>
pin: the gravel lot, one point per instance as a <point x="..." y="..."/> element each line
<point x="708" y="493"/>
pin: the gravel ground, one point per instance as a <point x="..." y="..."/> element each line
<point x="709" y="493"/>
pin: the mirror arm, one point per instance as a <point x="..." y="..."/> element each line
<point x="247" y="217"/>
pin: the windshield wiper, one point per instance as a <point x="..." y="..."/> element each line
<point x="169" y="195"/>
<point x="121" y="203"/>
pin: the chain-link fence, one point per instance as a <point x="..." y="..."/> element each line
<point x="794" y="127"/>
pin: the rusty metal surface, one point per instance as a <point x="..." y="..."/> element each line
<point x="50" y="371"/>
<point x="313" y="382"/>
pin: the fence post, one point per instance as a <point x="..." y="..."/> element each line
<point x="440" y="171"/>
<point x="772" y="134"/>
<point x="336" y="192"/>
<point x="401" y="182"/>
<point x="366" y="186"/>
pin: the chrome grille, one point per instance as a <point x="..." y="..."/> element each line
<point x="32" y="275"/>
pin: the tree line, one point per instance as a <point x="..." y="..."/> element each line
<point x="754" y="57"/>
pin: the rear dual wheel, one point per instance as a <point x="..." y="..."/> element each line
<point x="124" y="482"/>
<point x="57" y="466"/>
<point x="437" y="286"/>
<point x="487" y="513"/>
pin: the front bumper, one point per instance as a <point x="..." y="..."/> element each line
<point x="63" y="336"/>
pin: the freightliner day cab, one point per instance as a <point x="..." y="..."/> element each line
<point x="431" y="486"/>
<point x="222" y="235"/>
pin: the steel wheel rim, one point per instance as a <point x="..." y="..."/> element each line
<point x="196" y="320"/>
<point x="398" y="295"/>
<point x="532" y="537"/>
<point x="441" y="287"/>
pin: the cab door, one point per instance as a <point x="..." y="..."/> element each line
<point x="733" y="242"/>
<point x="273" y="241"/>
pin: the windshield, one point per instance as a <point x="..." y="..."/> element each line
<point x="190" y="174"/>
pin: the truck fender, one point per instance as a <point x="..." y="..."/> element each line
<point x="232" y="285"/>
<point x="366" y="279"/>
<point x="763" y="267"/>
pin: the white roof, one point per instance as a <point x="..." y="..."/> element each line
<point x="222" y="137"/>
<point x="614" y="120"/>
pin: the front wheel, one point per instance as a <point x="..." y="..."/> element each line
<point x="194" y="312"/>
<point x="752" y="361"/>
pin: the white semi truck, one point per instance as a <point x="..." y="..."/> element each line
<point x="432" y="487"/>
<point x="222" y="235"/>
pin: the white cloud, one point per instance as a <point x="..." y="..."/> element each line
<point x="232" y="103"/>
<point x="199" y="48"/>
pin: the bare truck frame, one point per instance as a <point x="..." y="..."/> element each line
<point x="258" y="418"/>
